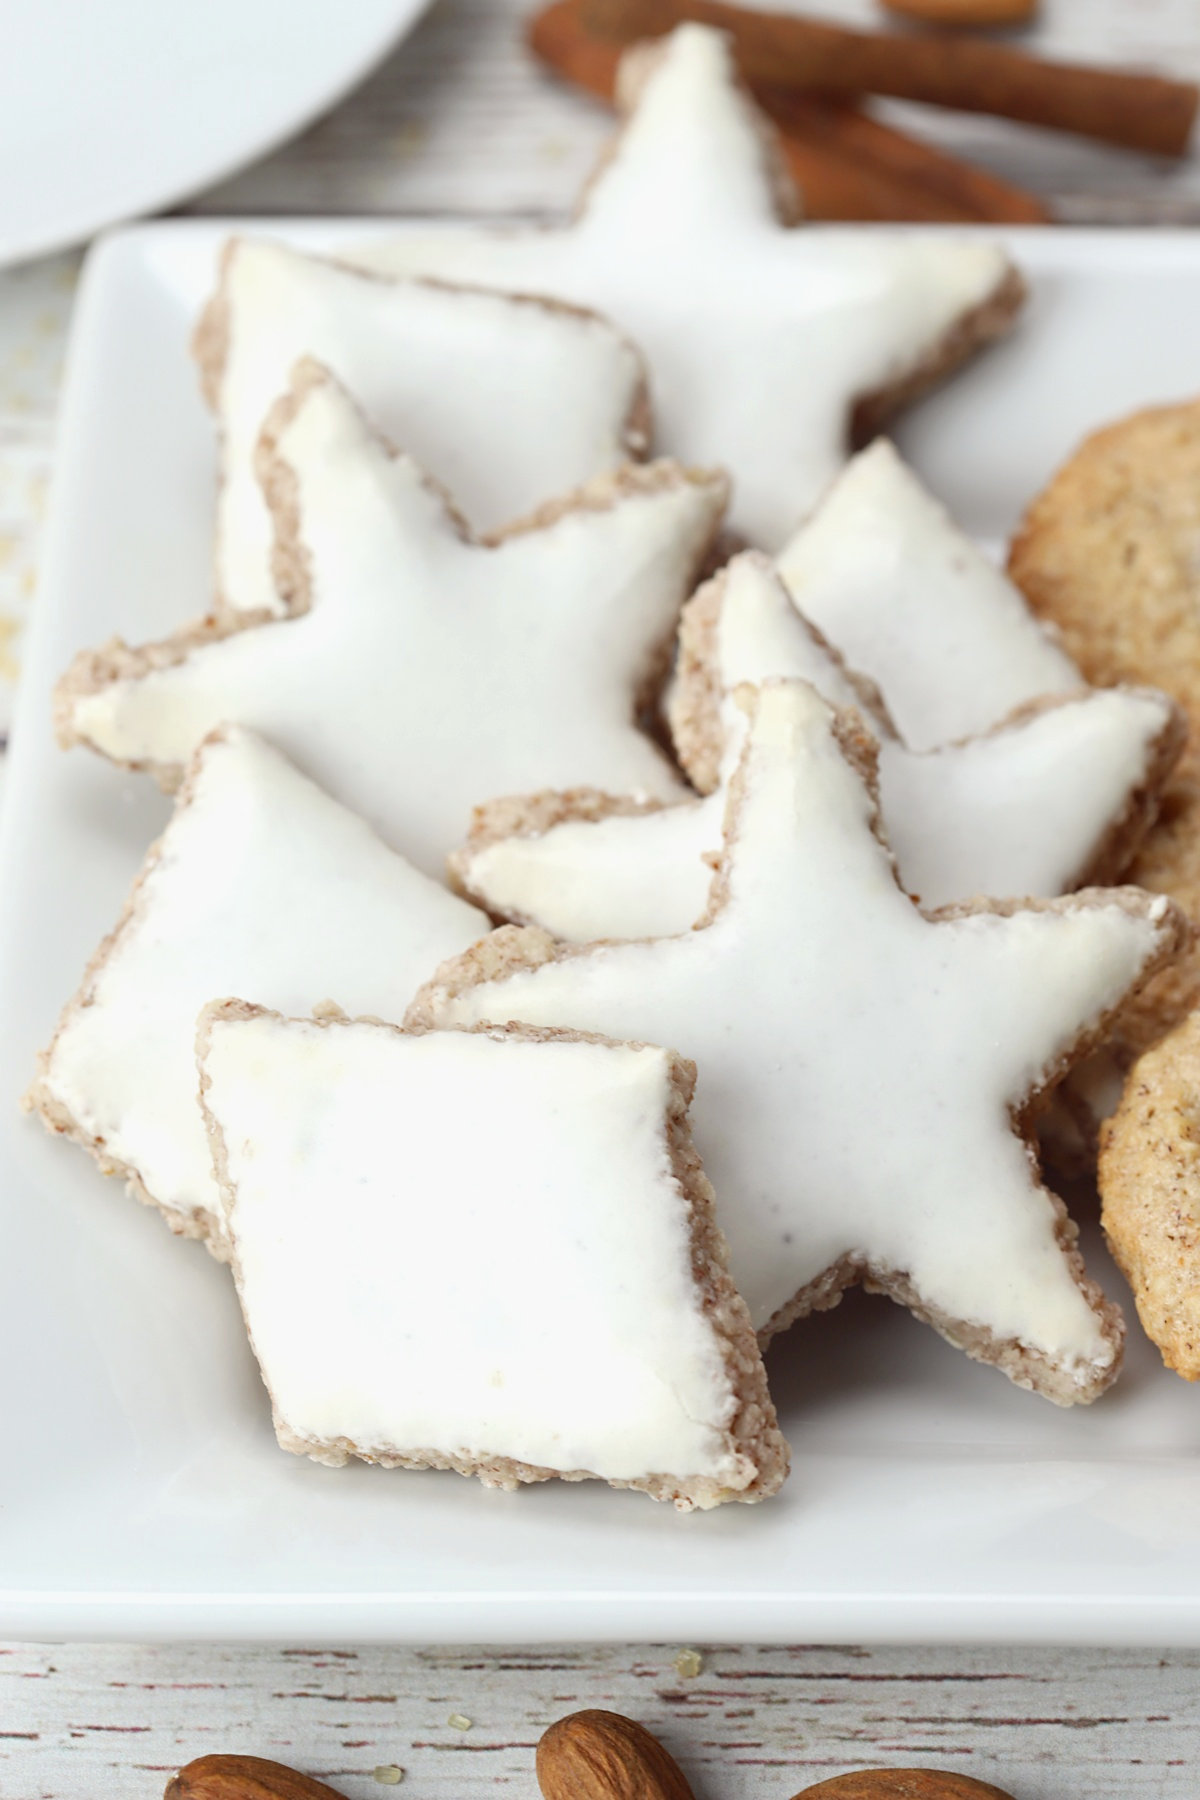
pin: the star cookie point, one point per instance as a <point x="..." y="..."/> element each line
<point x="913" y="603"/>
<point x="506" y="400"/>
<point x="693" y="143"/>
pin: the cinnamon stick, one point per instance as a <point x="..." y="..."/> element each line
<point x="966" y="15"/>
<point x="1138" y="112"/>
<point x="846" y="165"/>
<point x="898" y="177"/>
<point x="559" y="37"/>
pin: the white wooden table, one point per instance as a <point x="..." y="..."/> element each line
<point x="459" y="121"/>
<point x="82" y="1721"/>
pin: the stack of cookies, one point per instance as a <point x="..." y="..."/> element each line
<point x="611" y="906"/>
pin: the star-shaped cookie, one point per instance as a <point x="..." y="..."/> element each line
<point x="866" y="1072"/>
<point x="485" y="1251"/>
<point x="1056" y="797"/>
<point x="506" y="401"/>
<point x="261" y="885"/>
<point x="762" y="342"/>
<point x="885" y="573"/>
<point x="419" y="671"/>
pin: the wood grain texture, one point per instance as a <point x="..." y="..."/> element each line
<point x="80" y="1721"/>
<point x="599" y="1755"/>
<point x="460" y="120"/>
<point x="956" y="70"/>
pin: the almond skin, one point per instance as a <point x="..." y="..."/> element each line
<point x="903" y="1784"/>
<point x="244" y="1778"/>
<point x="602" y="1756"/>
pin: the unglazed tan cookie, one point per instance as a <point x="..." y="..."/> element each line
<point x="1058" y="796"/>
<point x="765" y="345"/>
<point x="506" y="401"/>
<point x="1109" y="554"/>
<point x="420" y="671"/>
<point x="493" y="1252"/>
<point x="263" y="885"/>
<point x="867" y="1074"/>
<point x="1150" y="1185"/>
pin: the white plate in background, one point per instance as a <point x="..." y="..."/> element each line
<point x="141" y="1491"/>
<point x="121" y="107"/>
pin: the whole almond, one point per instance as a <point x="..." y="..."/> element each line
<point x="244" y="1778"/>
<point x="602" y="1756"/>
<point x="903" y="1784"/>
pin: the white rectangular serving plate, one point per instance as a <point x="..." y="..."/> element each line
<point x="142" y="1492"/>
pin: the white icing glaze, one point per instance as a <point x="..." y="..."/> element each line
<point x="505" y="401"/>
<point x="884" y="572"/>
<point x="1020" y="811"/>
<point x="261" y="886"/>
<point x="1023" y="809"/>
<point x="760" y="634"/>
<point x="431" y="672"/>
<point x="759" y="338"/>
<point x="627" y="876"/>
<point x="469" y="1244"/>
<point x="859" y="1063"/>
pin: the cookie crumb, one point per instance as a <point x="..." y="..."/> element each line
<point x="688" y="1664"/>
<point x="460" y="1722"/>
<point x="388" y="1774"/>
<point x="327" y="1009"/>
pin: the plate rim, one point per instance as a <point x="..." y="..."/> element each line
<point x="473" y="1615"/>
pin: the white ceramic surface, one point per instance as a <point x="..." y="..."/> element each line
<point x="120" y="108"/>
<point x="141" y="1491"/>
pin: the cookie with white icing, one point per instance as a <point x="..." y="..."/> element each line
<point x="883" y="570"/>
<point x="420" y="670"/>
<point x="1056" y="797"/>
<point x="585" y="866"/>
<point x="262" y="885"/>
<point x="866" y="1072"/>
<point x="764" y="343"/>
<point x="505" y="401"/>
<point x="492" y="1252"/>
<point x="1057" y="794"/>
